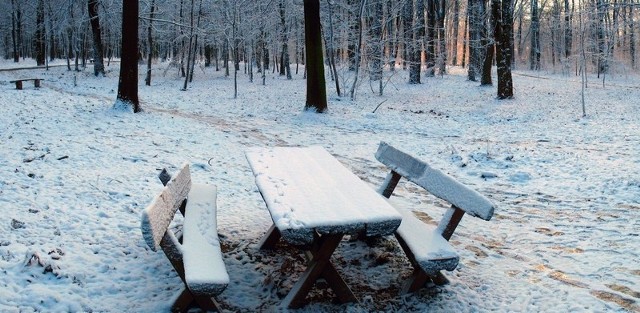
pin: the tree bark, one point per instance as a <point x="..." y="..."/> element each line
<point x="418" y="38"/>
<point x="430" y="55"/>
<point x="98" y="65"/>
<point x="128" y="82"/>
<point x="14" y="30"/>
<point x="147" y="80"/>
<point x="534" y="58"/>
<point x="40" y="34"/>
<point x="456" y="22"/>
<point x="316" y="88"/>
<point x="503" y="32"/>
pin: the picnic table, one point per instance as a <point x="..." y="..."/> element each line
<point x="314" y="201"/>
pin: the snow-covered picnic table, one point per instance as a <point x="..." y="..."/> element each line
<point x="314" y="201"/>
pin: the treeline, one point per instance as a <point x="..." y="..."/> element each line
<point x="423" y="36"/>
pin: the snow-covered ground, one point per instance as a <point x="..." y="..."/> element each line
<point x="75" y="176"/>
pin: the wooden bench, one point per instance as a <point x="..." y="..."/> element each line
<point x="427" y="246"/>
<point x="195" y="252"/>
<point x="18" y="82"/>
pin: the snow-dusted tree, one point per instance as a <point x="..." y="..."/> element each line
<point x="40" y="36"/>
<point x="534" y="56"/>
<point x="316" y="88"/>
<point x="418" y="38"/>
<point x="128" y="82"/>
<point x="503" y="33"/>
<point x="98" y="55"/>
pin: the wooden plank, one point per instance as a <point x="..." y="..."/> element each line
<point x="321" y="257"/>
<point x="205" y="271"/>
<point x="270" y="239"/>
<point x="449" y="222"/>
<point x="436" y="182"/>
<point x="159" y="214"/>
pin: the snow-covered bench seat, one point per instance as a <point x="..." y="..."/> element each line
<point x="197" y="257"/>
<point x="427" y="246"/>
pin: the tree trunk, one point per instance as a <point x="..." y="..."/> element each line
<point x="475" y="38"/>
<point x="441" y="61"/>
<point x="376" y="41"/>
<point x="332" y="52"/>
<point x="14" y="31"/>
<point x="534" y="58"/>
<point x="285" y="67"/>
<point x="503" y="32"/>
<point x="488" y="45"/>
<point x="128" y="82"/>
<point x="418" y="38"/>
<point x="40" y="34"/>
<point x="456" y="22"/>
<point x="430" y="55"/>
<point x="147" y="80"/>
<point x="567" y="30"/>
<point x="98" y="65"/>
<point x="354" y="29"/>
<point x="316" y="88"/>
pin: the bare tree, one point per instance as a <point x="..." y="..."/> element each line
<point x="98" y="65"/>
<point x="316" y="88"/>
<point x="128" y="82"/>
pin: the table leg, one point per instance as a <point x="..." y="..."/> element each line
<point x="270" y="239"/>
<point x="320" y="266"/>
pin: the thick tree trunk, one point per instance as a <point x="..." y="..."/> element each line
<point x="128" y="82"/>
<point x="503" y="32"/>
<point x="40" y="34"/>
<point x="14" y="31"/>
<point x="418" y="38"/>
<point x="430" y="51"/>
<point x="632" y="38"/>
<point x="354" y="29"/>
<point x="534" y="57"/>
<point x="98" y="65"/>
<point x="316" y="88"/>
<point x="456" y="22"/>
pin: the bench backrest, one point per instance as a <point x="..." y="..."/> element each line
<point x="157" y="217"/>
<point x="435" y="182"/>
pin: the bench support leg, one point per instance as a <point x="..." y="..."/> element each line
<point x="19" y="85"/>
<point x="270" y="239"/>
<point x="36" y="83"/>
<point x="187" y="300"/>
<point x="320" y="267"/>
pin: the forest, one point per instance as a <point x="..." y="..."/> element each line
<point x="532" y="104"/>
<point x="424" y="36"/>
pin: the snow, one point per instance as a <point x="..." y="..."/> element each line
<point x="430" y="249"/>
<point x="75" y="176"/>
<point x="204" y="267"/>
<point x="306" y="188"/>
<point x="437" y="183"/>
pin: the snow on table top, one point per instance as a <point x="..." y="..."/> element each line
<point x="307" y="188"/>
<point x="204" y="268"/>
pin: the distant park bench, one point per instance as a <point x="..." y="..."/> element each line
<point x="18" y="82"/>
<point x="195" y="251"/>
<point x="427" y="246"/>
